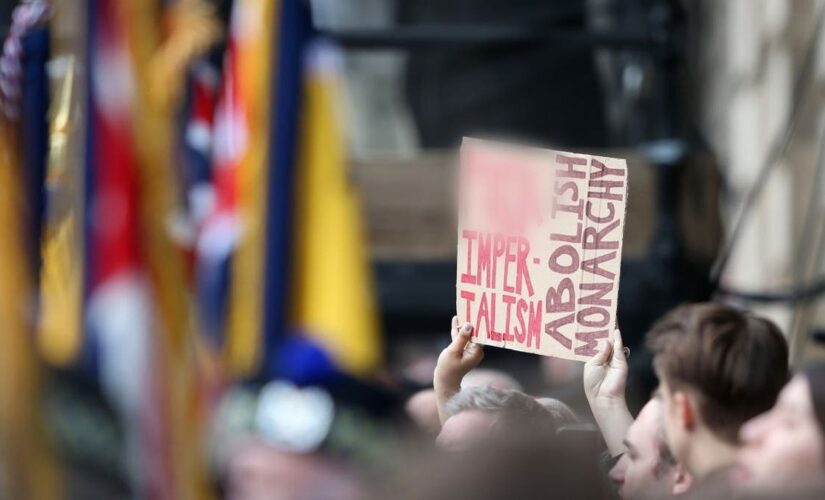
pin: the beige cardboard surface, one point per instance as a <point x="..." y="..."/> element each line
<point x="539" y="247"/>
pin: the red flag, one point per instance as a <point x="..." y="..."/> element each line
<point x="120" y="312"/>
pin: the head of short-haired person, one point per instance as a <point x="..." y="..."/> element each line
<point x="477" y="413"/>
<point x="647" y="469"/>
<point x="718" y="367"/>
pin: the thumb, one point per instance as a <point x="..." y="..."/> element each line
<point x="461" y="340"/>
<point x="603" y="355"/>
<point x="473" y="354"/>
<point x="619" y="356"/>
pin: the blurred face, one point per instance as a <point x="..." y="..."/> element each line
<point x="257" y="471"/>
<point x="640" y="473"/>
<point x="422" y="408"/>
<point x="464" y="428"/>
<point x="783" y="450"/>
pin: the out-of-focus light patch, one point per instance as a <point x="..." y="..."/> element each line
<point x="201" y="201"/>
<point x="230" y="134"/>
<point x="199" y="136"/>
<point x="220" y="236"/>
<point x="236" y="412"/>
<point x="113" y="80"/>
<point x="292" y="418"/>
<point x="742" y="28"/>
<point x="180" y="227"/>
<point x="775" y="15"/>
<point x="120" y="315"/>
<point x="233" y="423"/>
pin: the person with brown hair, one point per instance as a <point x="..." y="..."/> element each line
<point x="644" y="467"/>
<point x="783" y="450"/>
<point x="647" y="469"/>
<point x="718" y="367"/>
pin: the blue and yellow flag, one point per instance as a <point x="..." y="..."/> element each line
<point x="333" y="295"/>
<point x="300" y="266"/>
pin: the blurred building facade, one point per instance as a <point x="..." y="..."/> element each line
<point x="761" y="72"/>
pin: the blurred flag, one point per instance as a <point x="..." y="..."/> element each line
<point x="63" y="246"/>
<point x="231" y="246"/>
<point x="295" y="222"/>
<point x="262" y="217"/>
<point x="294" y="29"/>
<point x="221" y="232"/>
<point x="205" y="278"/>
<point x="334" y="299"/>
<point x="194" y="154"/>
<point x="111" y="269"/>
<point x="164" y="39"/>
<point x="28" y="468"/>
<point x="119" y="313"/>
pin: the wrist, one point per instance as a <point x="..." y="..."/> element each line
<point x="607" y="403"/>
<point x="446" y="384"/>
<point x="614" y="424"/>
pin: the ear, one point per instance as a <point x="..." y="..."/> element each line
<point x="685" y="409"/>
<point x="682" y="479"/>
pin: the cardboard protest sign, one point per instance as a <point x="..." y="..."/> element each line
<point x="539" y="247"/>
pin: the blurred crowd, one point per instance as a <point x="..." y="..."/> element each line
<point x="727" y="420"/>
<point x="187" y="307"/>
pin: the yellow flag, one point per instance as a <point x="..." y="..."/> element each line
<point x="30" y="469"/>
<point x="332" y="283"/>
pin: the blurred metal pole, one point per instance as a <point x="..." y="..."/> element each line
<point x="440" y="36"/>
